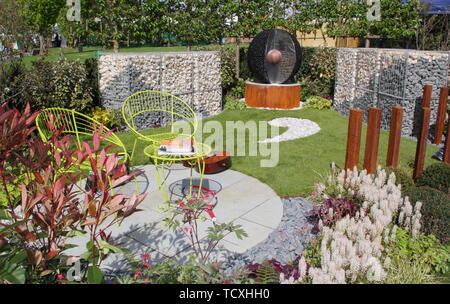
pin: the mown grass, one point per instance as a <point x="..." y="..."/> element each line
<point x="302" y="162"/>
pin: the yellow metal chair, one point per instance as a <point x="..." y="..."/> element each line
<point x="156" y="101"/>
<point x="79" y="125"/>
<point x="177" y="110"/>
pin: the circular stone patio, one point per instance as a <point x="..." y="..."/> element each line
<point x="242" y="200"/>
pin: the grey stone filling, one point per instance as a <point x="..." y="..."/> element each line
<point x="192" y="76"/>
<point x="385" y="78"/>
<point x="285" y="243"/>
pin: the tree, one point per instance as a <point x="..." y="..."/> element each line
<point x="151" y="21"/>
<point x="41" y="16"/>
<point x="12" y="26"/>
<point x="433" y="31"/>
<point x="189" y="21"/>
<point x="110" y="21"/>
<point x="343" y="18"/>
<point x="302" y="16"/>
<point x="399" y="19"/>
<point x="243" y="19"/>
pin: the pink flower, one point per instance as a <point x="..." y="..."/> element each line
<point x="61" y="277"/>
<point x="145" y="257"/>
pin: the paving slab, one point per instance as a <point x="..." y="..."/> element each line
<point x="256" y="232"/>
<point x="267" y="214"/>
<point x="241" y="199"/>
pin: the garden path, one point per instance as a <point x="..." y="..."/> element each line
<point x="242" y="200"/>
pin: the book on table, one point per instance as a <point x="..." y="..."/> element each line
<point x="176" y="147"/>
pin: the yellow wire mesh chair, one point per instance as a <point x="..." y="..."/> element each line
<point x="80" y="125"/>
<point x="176" y="110"/>
<point x="156" y="101"/>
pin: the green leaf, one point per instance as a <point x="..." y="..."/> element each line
<point x="13" y="273"/>
<point x="19" y="257"/>
<point x="75" y="233"/>
<point x="5" y="214"/>
<point x="110" y="247"/>
<point x="94" y="275"/>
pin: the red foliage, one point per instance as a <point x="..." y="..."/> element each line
<point x="52" y="204"/>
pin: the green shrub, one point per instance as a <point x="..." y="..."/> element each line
<point x="91" y="66"/>
<point x="402" y="177"/>
<point x="436" y="176"/>
<point x="318" y="72"/>
<point x="425" y="250"/>
<point x="239" y="90"/>
<point x="231" y="103"/>
<point x="111" y="119"/>
<point x="62" y="83"/>
<point x="435" y="210"/>
<point x="317" y="102"/>
<point x="12" y="85"/>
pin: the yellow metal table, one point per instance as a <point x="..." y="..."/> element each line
<point x="200" y="151"/>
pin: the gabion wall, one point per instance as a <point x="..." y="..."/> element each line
<point x="192" y="76"/>
<point x="385" y="78"/>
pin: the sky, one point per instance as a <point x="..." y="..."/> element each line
<point x="439" y="6"/>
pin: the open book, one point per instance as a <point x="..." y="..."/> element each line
<point x="176" y="147"/>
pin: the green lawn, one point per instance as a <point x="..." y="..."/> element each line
<point x="89" y="52"/>
<point x="303" y="161"/>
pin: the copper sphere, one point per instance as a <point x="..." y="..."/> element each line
<point x="274" y="56"/>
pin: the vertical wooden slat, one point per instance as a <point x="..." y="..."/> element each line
<point x="422" y="142"/>
<point x="447" y="144"/>
<point x="353" y="139"/>
<point x="395" y="133"/>
<point x="372" y="140"/>
<point x="426" y="98"/>
<point x="440" y="120"/>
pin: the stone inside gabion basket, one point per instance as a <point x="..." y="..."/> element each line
<point x="274" y="56"/>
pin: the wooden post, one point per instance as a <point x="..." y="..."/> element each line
<point x="426" y="99"/>
<point x="372" y="140"/>
<point x="422" y="142"/>
<point x="440" y="120"/>
<point x="395" y="134"/>
<point x="446" y="158"/>
<point x="353" y="139"/>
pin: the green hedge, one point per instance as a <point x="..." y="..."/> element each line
<point x="435" y="210"/>
<point x="62" y="83"/>
<point x="436" y="176"/>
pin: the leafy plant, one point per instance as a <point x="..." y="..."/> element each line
<point x="169" y="271"/>
<point x="265" y="273"/>
<point x="239" y="90"/>
<point x="334" y="209"/>
<point x="436" y="176"/>
<point x="435" y="211"/>
<point x="52" y="206"/>
<point x="318" y="72"/>
<point x="424" y="252"/>
<point x="186" y="218"/>
<point x="12" y="73"/>
<point x="91" y="67"/>
<point x="111" y="119"/>
<point x="231" y="103"/>
<point x="317" y="102"/>
<point x="62" y="83"/>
